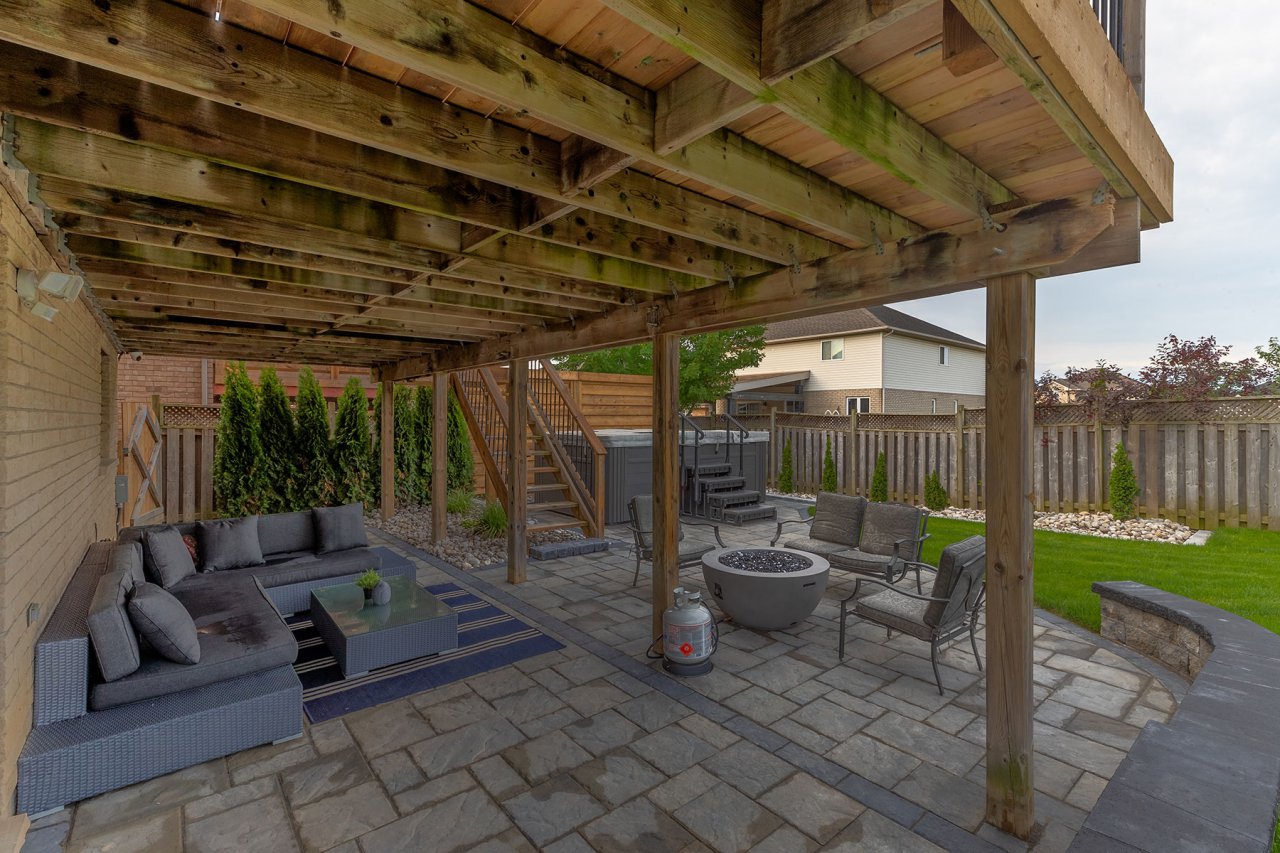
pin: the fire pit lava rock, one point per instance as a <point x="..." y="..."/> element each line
<point x="765" y="588"/>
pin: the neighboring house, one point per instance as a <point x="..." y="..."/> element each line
<point x="1069" y="392"/>
<point x="865" y="360"/>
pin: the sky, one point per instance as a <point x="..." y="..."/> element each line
<point x="1213" y="94"/>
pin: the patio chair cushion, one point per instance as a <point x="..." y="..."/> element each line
<point x="340" y="527"/>
<point x="239" y="630"/>
<point x="838" y="518"/>
<point x="230" y="543"/>
<point x="164" y="623"/>
<point x="115" y="642"/>
<point x="960" y="571"/>
<point x="283" y="532"/>
<point x="170" y="559"/>
<point x="856" y="560"/>
<point x="692" y="552"/>
<point x="640" y="508"/>
<point x="899" y="612"/>
<point x="821" y="547"/>
<point x="305" y="566"/>
<point x="885" y="524"/>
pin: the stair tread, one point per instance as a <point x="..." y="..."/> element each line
<point x="555" y="525"/>
<point x="547" y="487"/>
<point x="546" y="505"/>
<point x="741" y="496"/>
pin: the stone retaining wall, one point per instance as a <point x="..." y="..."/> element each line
<point x="1180" y="647"/>
<point x="1210" y="778"/>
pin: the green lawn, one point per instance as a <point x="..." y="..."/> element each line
<point x="1238" y="570"/>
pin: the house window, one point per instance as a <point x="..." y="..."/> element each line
<point x="861" y="405"/>
<point x="944" y="355"/>
<point x="795" y="406"/>
<point x="833" y="350"/>
<point x="933" y="406"/>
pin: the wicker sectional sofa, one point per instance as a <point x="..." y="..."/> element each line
<point x="93" y="734"/>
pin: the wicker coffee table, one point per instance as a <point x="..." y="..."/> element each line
<point x="367" y="636"/>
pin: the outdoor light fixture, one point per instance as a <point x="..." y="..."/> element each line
<point x="60" y="284"/>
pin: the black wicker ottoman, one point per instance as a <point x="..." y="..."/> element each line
<point x="367" y="636"/>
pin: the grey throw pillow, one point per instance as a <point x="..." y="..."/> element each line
<point x="115" y="641"/>
<point x="230" y="543"/>
<point x="170" y="559"/>
<point x="164" y="623"/>
<point x="340" y="527"/>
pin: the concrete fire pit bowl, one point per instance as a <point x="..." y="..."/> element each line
<point x="765" y="588"/>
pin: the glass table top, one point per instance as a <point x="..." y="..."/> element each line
<point x="409" y="603"/>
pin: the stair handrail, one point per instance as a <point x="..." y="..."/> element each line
<point x="589" y="497"/>
<point x="743" y="435"/>
<point x="692" y="495"/>
<point x="490" y="411"/>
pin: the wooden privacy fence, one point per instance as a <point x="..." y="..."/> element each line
<point x="1220" y="469"/>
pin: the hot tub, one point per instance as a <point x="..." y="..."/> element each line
<point x="765" y="588"/>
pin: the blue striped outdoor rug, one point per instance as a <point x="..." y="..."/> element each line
<point x="488" y="638"/>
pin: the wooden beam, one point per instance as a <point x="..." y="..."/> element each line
<point x="439" y="456"/>
<point x="489" y="57"/>
<point x="1011" y="312"/>
<point x="1065" y="61"/>
<point x="517" y="469"/>
<point x="666" y="474"/>
<point x="1117" y="246"/>
<point x="585" y="163"/>
<point x="387" y="449"/>
<point x="725" y="36"/>
<point x="1038" y="235"/>
<point x="963" y="50"/>
<point x="693" y="105"/>
<point x="797" y="33"/>
<point x="266" y="78"/>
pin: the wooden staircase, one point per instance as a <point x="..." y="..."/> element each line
<point x="565" y="457"/>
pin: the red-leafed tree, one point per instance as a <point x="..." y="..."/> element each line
<point x="1197" y="370"/>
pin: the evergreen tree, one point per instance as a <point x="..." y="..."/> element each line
<point x="787" y="471"/>
<point x="880" y="480"/>
<point x="828" y="469"/>
<point x="422" y="402"/>
<point x="408" y="447"/>
<point x="1124" y="485"/>
<point x="935" y="495"/>
<point x="237" y="460"/>
<point x="462" y="465"/>
<point x="352" y="448"/>
<point x="375" y="445"/>
<point x="314" y="486"/>
<point x="279" y="450"/>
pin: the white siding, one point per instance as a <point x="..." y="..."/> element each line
<point x="860" y="367"/>
<point x="912" y="363"/>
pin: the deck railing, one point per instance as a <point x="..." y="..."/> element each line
<point x="572" y="442"/>
<point x="1125" y="23"/>
<point x="485" y="409"/>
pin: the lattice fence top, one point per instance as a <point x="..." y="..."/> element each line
<point x="907" y="423"/>
<point x="189" y="417"/>
<point x="1057" y="415"/>
<point x="820" y="422"/>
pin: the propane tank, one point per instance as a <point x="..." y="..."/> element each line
<point x="689" y="635"/>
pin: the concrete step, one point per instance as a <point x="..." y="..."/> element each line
<point x="750" y="512"/>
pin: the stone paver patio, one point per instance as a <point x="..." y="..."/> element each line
<point x="782" y="747"/>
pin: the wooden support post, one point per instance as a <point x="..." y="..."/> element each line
<point x="1099" y="466"/>
<point x="439" y="456"/>
<point x="387" y="449"/>
<point x="851" y="454"/>
<point x="666" y="473"/>
<point x="957" y="493"/>
<point x="517" y="468"/>
<point x="1010" y="415"/>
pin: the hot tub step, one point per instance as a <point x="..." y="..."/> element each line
<point x="727" y="499"/>
<point x="742" y="514"/>
<point x="722" y="484"/>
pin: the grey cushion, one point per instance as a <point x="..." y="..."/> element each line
<point x="895" y="611"/>
<point x="691" y="553"/>
<point x="838" y="518"/>
<point x="239" y="630"/>
<point x="813" y="546"/>
<point x="886" y="523"/>
<point x="115" y="642"/>
<point x="854" y="560"/>
<point x="230" y="543"/>
<point x="339" y="528"/>
<point x="640" y="509"/>
<point x="170" y="559"/>
<point x="164" y="623"/>
<point x="283" y="532"/>
<point x="312" y="567"/>
<point x="139" y="534"/>
<point x="962" y="569"/>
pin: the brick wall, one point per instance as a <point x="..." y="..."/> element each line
<point x="56" y="487"/>
<point x="899" y="401"/>
<point x="176" y="380"/>
<point x="820" y="402"/>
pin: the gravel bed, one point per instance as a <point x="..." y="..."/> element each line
<point x="1101" y="524"/>
<point x="461" y="547"/>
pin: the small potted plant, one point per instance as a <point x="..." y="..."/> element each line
<point x="367" y="582"/>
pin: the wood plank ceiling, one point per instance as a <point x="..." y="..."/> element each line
<point x="372" y="182"/>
